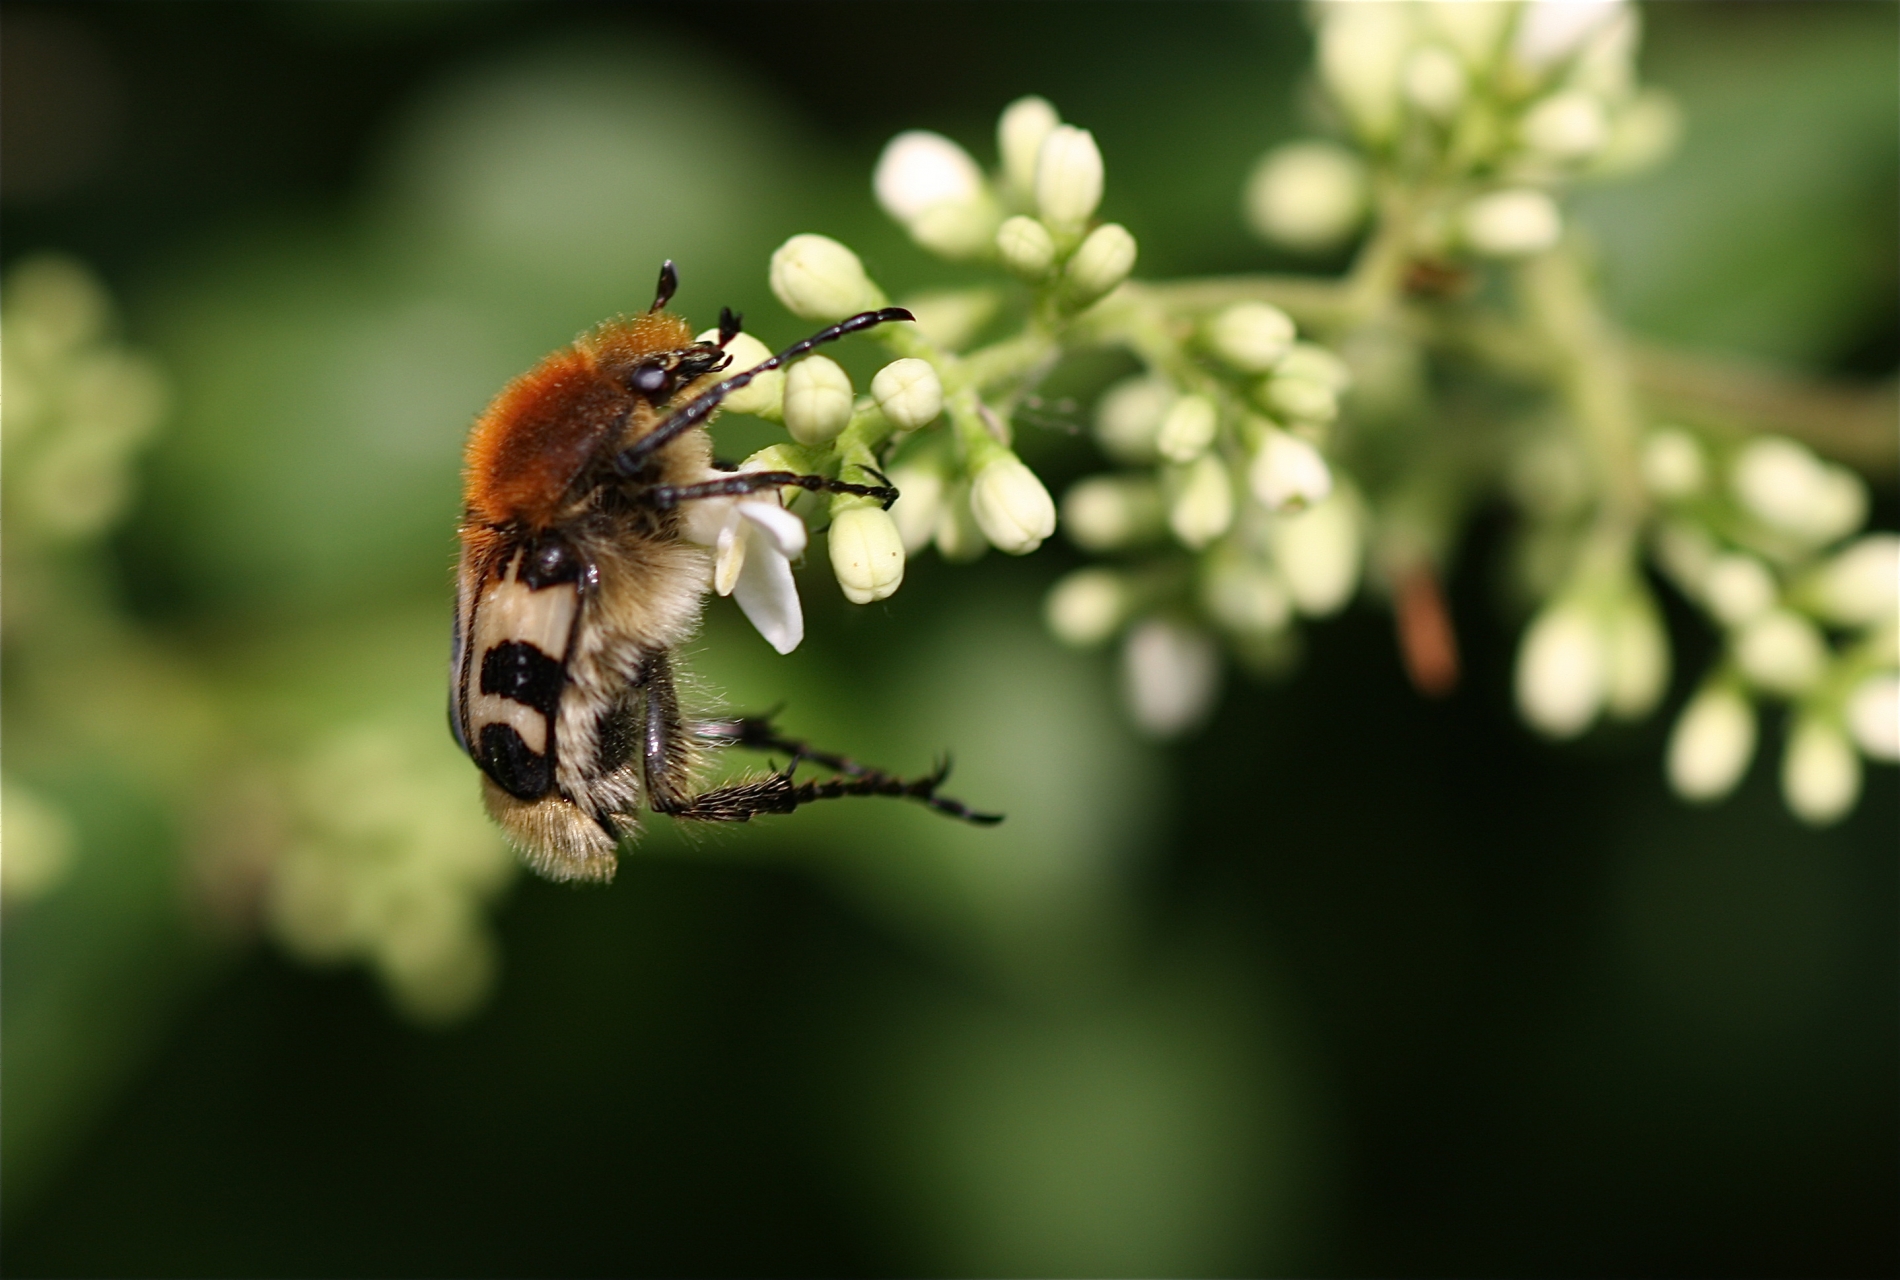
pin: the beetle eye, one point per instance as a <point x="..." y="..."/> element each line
<point x="648" y="380"/>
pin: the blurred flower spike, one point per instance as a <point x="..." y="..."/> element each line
<point x="387" y="863"/>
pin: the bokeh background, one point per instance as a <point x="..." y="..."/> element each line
<point x="1350" y="983"/>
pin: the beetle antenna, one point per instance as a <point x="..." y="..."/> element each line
<point x="701" y="407"/>
<point x="668" y="286"/>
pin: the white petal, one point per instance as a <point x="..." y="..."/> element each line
<point x="705" y="520"/>
<point x="767" y="594"/>
<point x="784" y="531"/>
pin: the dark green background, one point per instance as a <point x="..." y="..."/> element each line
<point x="1495" y="1007"/>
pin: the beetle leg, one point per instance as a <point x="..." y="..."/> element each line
<point x="743" y="482"/>
<point x="854" y="779"/>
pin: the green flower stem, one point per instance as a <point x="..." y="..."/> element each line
<point x="1870" y="656"/>
<point x="1323" y="304"/>
<point x="856" y="449"/>
<point x="976" y="443"/>
<point x="1593" y="378"/>
<point x="1859" y="426"/>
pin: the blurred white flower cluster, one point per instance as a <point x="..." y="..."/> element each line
<point x="1285" y="440"/>
<point x="368" y="850"/>
<point x="1226" y="516"/>
<point x="78" y="406"/>
<point x="1482" y="110"/>
<point x="385" y="862"/>
<point x="1759" y="537"/>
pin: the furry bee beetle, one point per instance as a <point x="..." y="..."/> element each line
<point x="576" y="588"/>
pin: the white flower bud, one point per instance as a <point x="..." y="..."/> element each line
<point x="1188" y="429"/>
<point x="1512" y="224"/>
<point x="1873" y="716"/>
<point x="919" y="170"/>
<point x="1737" y="588"/>
<point x="1685" y="552"/>
<point x="1026" y="247"/>
<point x="1474" y="30"/>
<point x="1638" y="652"/>
<point x="1820" y="774"/>
<point x="1301" y="399"/>
<point x="1361" y="50"/>
<point x="1170" y="674"/>
<point x="1107" y="513"/>
<point x="1562" y="671"/>
<point x="1203" y="506"/>
<point x="1787" y="487"/>
<point x="867" y="553"/>
<point x="818" y="400"/>
<point x="1711" y="745"/>
<point x="1308" y="196"/>
<point x="819" y="279"/>
<point x="1840" y="507"/>
<point x="1315" y="364"/>
<point x="1086" y="607"/>
<point x="1288" y="473"/>
<point x="1129" y="415"/>
<point x="909" y="392"/>
<point x="1020" y="132"/>
<point x="1566" y="126"/>
<point x="764" y="393"/>
<point x="920" y="492"/>
<point x="1672" y="464"/>
<point x="1781" y="652"/>
<point x="40" y="837"/>
<point x="1011" y="507"/>
<point x="1550" y="31"/>
<point x="1318" y="552"/>
<point x="1101" y="262"/>
<point x="1434" y="81"/>
<point x="956" y="231"/>
<point x="1252" y="337"/>
<point x="774" y="457"/>
<point x="1861" y="585"/>
<point x="1607" y="64"/>
<point x="1245" y="598"/>
<point x="1068" y="178"/>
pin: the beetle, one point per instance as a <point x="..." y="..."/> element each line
<point x="576" y="588"/>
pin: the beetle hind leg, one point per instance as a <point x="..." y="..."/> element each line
<point x="852" y="778"/>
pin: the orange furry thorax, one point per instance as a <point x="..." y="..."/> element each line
<point x="547" y="425"/>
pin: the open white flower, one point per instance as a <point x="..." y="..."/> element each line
<point x="754" y="539"/>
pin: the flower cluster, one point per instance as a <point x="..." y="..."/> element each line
<point x="1478" y="111"/>
<point x="79" y="405"/>
<point x="1286" y="441"/>
<point x="1754" y="536"/>
<point x="385" y="862"/>
<point x="1227" y="511"/>
<point x="936" y="420"/>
